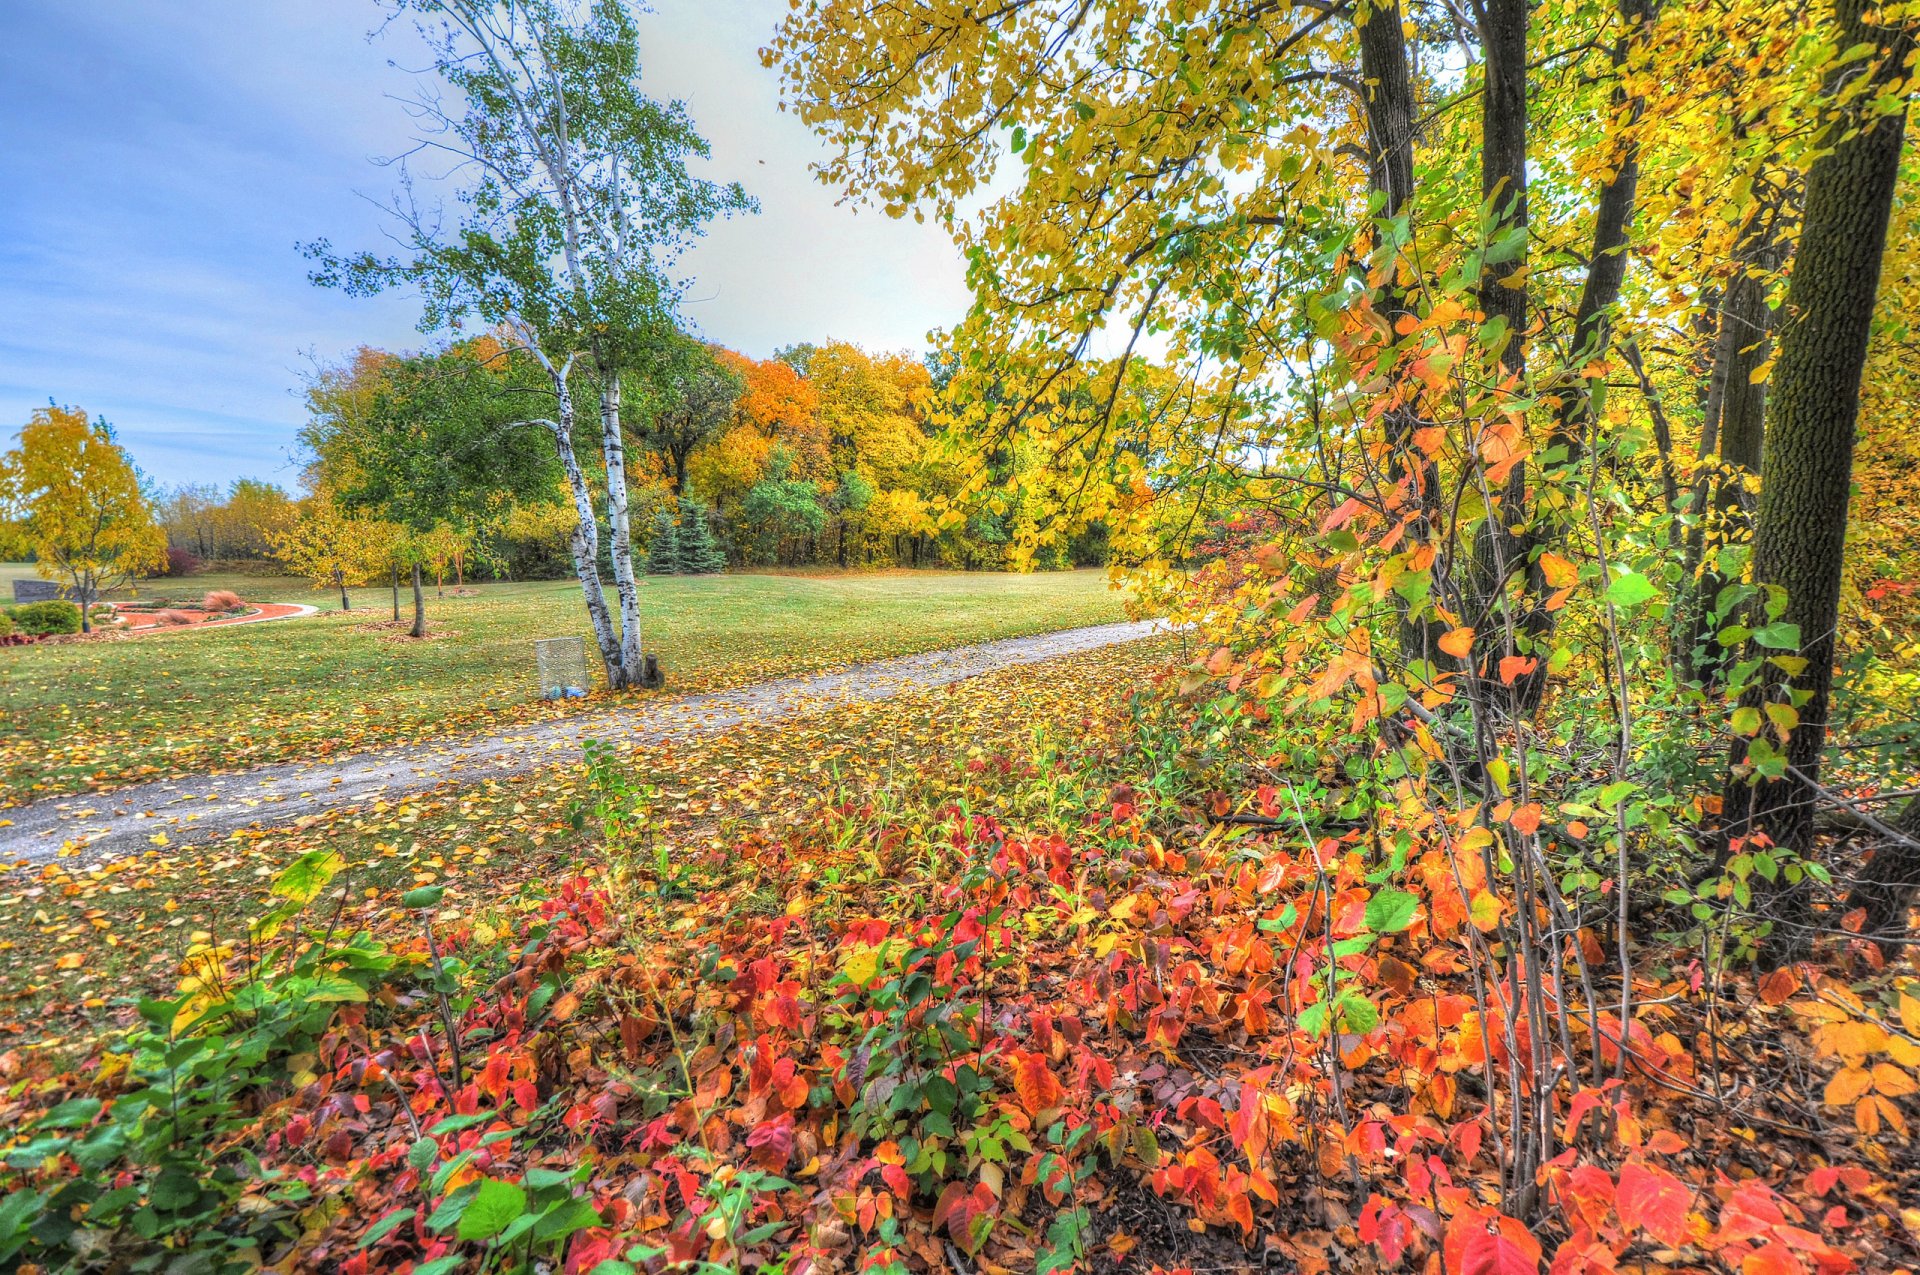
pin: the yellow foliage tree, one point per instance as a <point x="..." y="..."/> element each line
<point x="75" y="502"/>
<point x="336" y="547"/>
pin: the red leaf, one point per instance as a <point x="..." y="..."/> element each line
<point x="1488" y="1253"/>
<point x="1655" y="1199"/>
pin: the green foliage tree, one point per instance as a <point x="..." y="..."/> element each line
<point x="783" y="514"/>
<point x="426" y="442"/>
<point x="581" y="203"/>
<point x="700" y="552"/>
<point x="686" y="398"/>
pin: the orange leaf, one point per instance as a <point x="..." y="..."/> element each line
<point x="1779" y="985"/>
<point x="1511" y="1252"/>
<point x="1458" y="642"/>
<point x="1892" y="1081"/>
<point x="1512" y="666"/>
<point x="1847" y="1085"/>
<point x="1558" y="571"/>
<point x="1034" y="1081"/>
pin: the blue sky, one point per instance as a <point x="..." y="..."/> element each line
<point x="163" y="160"/>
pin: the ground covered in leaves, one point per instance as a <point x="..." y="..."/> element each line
<point x="963" y="984"/>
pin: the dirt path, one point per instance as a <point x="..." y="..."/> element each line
<point x="125" y="821"/>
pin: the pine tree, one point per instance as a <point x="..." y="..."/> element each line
<point x="700" y="550"/>
<point x="663" y="555"/>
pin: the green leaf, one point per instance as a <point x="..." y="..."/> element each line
<point x="453" y="1124"/>
<point x="1358" y="1013"/>
<point x="385" y="1226"/>
<point x="1631" y="589"/>
<point x="74" y="1113"/>
<point x="495" y="1205"/>
<point x="1391" y="911"/>
<point x="426" y="896"/>
<point x="422" y="1154"/>
<point x="1779" y="636"/>
<point x="1313" y="1019"/>
<point x="306" y="876"/>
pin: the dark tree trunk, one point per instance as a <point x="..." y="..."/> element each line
<point x="340" y="581"/>
<point x="396" y="594"/>
<point x="1384" y="71"/>
<point x="1503" y="164"/>
<point x="419" y="606"/>
<point x="1720" y="498"/>
<point x="1885" y="887"/>
<point x="1800" y="535"/>
<point x="1500" y="542"/>
<point x="1386" y="74"/>
<point x="1592" y="324"/>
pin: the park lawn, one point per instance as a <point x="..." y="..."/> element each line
<point x="96" y="714"/>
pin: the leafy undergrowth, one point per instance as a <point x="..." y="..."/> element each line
<point x="1043" y="1018"/>
<point x="80" y="936"/>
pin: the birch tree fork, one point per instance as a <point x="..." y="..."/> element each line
<point x="574" y="203"/>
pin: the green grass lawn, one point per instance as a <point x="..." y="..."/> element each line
<point x="117" y="709"/>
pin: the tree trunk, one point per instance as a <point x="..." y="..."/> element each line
<point x="1498" y="550"/>
<point x="1389" y="106"/>
<point x="1885" y="887"/>
<point x="583" y="542"/>
<point x="1386" y="74"/>
<point x="340" y="581"/>
<point x="1800" y="535"/>
<point x="1738" y="437"/>
<point x="1503" y="171"/>
<point x="396" y="592"/>
<point x="1592" y="323"/>
<point x="613" y="449"/>
<point x="419" y="606"/>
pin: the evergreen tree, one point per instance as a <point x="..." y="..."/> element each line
<point x="700" y="552"/>
<point x="663" y="555"/>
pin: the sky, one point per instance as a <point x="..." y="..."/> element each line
<point x="163" y="161"/>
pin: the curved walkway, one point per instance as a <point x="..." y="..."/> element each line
<point x="266" y="612"/>
<point x="125" y="821"/>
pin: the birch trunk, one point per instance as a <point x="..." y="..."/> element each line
<point x="585" y="540"/>
<point x="613" y="449"/>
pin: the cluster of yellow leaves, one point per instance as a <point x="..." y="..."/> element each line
<point x="1877" y="1059"/>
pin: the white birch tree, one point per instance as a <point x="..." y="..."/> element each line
<point x="574" y="203"/>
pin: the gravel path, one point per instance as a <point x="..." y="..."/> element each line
<point x="124" y="821"/>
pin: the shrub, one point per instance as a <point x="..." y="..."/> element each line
<point x="221" y="600"/>
<point x="6" y="625"/>
<point x="173" y="618"/>
<point x="182" y="562"/>
<point x="46" y="618"/>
